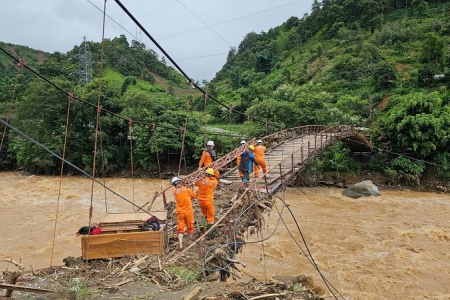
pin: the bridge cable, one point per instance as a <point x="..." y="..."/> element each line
<point x="91" y="208"/>
<point x="400" y="154"/>
<point x="309" y="255"/>
<point x="20" y="65"/>
<point x="181" y="70"/>
<point x="103" y="166"/>
<point x="183" y="137"/>
<point x="66" y="134"/>
<point x="94" y="105"/>
<point x="70" y="164"/>
<point x="131" y="137"/>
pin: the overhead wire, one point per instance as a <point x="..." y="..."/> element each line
<point x="97" y="122"/>
<point x="66" y="133"/>
<point x="103" y="110"/>
<point x="205" y="23"/>
<point x="20" y="65"/>
<point x="309" y="255"/>
<point x="182" y="71"/>
<point x="70" y="164"/>
<point x="231" y="20"/>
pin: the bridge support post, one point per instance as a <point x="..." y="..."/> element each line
<point x="301" y="154"/>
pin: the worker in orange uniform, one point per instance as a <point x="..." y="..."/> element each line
<point x="185" y="213"/>
<point x="208" y="157"/>
<point x="238" y="160"/>
<point x="259" y="152"/>
<point x="206" y="187"/>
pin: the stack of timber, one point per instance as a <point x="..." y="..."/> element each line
<point x="121" y="234"/>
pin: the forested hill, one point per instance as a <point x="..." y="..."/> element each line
<point x="380" y="64"/>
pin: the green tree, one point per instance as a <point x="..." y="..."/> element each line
<point x="418" y="121"/>
<point x="384" y="75"/>
<point x="433" y="50"/>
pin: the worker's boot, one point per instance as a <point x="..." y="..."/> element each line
<point x="202" y="223"/>
<point x="211" y="233"/>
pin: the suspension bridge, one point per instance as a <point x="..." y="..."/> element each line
<point x="289" y="151"/>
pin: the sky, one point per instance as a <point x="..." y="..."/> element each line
<point x="197" y="34"/>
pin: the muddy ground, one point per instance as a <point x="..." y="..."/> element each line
<point x="206" y="271"/>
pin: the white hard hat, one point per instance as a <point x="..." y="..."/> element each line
<point x="259" y="142"/>
<point x="175" y="181"/>
<point x="210" y="143"/>
<point x="243" y="142"/>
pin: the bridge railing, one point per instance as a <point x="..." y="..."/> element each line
<point x="298" y="158"/>
<point x="272" y="140"/>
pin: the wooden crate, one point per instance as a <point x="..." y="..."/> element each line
<point x="121" y="235"/>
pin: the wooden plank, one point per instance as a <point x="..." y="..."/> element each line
<point x="194" y="294"/>
<point x="23" y="288"/>
<point x="120" y="244"/>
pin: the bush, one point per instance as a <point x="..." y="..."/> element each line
<point x="402" y="168"/>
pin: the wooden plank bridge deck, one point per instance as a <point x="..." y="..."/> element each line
<point x="289" y="151"/>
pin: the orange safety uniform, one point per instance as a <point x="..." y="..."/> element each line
<point x="206" y="161"/>
<point x="238" y="162"/>
<point x="206" y="187"/>
<point x="185" y="213"/>
<point x="259" y="157"/>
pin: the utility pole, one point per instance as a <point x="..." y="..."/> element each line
<point x="85" y="64"/>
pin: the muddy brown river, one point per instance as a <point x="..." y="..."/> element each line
<point x="395" y="246"/>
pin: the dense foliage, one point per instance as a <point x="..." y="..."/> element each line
<point x="380" y="64"/>
<point x="383" y="65"/>
<point x="140" y="120"/>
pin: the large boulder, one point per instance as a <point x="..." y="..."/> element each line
<point x="361" y="189"/>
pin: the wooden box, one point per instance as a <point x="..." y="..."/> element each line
<point x="122" y="235"/>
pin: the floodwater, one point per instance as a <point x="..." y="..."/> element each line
<point x="395" y="246"/>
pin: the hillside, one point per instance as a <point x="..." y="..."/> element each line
<point x="382" y="65"/>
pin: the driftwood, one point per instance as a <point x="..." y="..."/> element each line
<point x="267" y="296"/>
<point x="139" y="262"/>
<point x="235" y="261"/>
<point x="194" y="294"/>
<point x="124" y="282"/>
<point x="23" y="288"/>
<point x="18" y="265"/>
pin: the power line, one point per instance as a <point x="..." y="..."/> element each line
<point x="228" y="21"/>
<point x="205" y="23"/>
<point x="230" y="109"/>
<point x="69" y="163"/>
<point x="154" y="125"/>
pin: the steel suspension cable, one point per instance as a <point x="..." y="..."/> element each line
<point x="70" y="164"/>
<point x="183" y="136"/>
<point x="179" y="68"/>
<point x="91" y="208"/>
<point x="103" y="166"/>
<point x="8" y="115"/>
<point x="66" y="133"/>
<point x="92" y="104"/>
<point x="131" y="137"/>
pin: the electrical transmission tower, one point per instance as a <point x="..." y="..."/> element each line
<point x="85" y="64"/>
